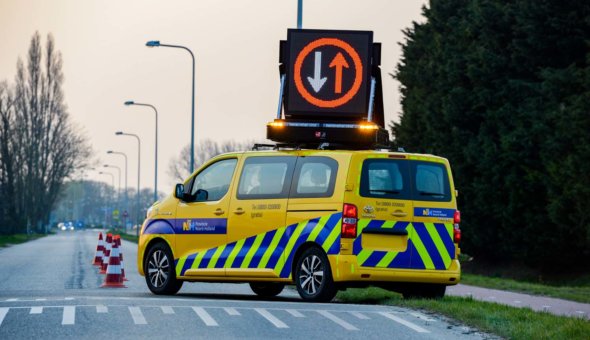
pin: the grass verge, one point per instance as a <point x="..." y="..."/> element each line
<point x="574" y="293"/>
<point x="125" y="236"/>
<point x="505" y="321"/>
<point x="18" y="238"/>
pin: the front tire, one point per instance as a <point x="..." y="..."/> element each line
<point x="313" y="276"/>
<point x="267" y="289"/>
<point x="160" y="274"/>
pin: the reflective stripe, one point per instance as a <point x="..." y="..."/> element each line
<point x="252" y="251"/>
<point x="273" y="245"/>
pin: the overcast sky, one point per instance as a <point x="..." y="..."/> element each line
<point x="236" y="48"/>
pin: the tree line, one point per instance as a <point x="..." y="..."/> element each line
<point x="39" y="145"/>
<point x="502" y="89"/>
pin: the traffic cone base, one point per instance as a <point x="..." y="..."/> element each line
<point x="113" y="279"/>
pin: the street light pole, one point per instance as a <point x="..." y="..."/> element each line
<point x="121" y="133"/>
<point x="124" y="155"/>
<point x="156" y="43"/>
<point x="299" y="14"/>
<point x="130" y="102"/>
<point x="118" y="170"/>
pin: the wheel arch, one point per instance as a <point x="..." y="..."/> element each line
<point x="303" y="247"/>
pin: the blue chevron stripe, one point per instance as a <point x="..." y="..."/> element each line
<point x="415" y="262"/>
<point x="206" y="258"/>
<point x="188" y="263"/>
<point x="374" y="258"/>
<point x="262" y="248"/>
<point x="302" y="238"/>
<point x="429" y="245"/>
<point x="242" y="253"/>
<point x="278" y="252"/>
<point x="446" y="238"/>
<point x="224" y="254"/>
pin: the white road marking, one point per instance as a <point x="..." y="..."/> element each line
<point x="517" y="302"/>
<point x="137" y="316"/>
<point x="231" y="311"/>
<point x="295" y="313"/>
<point x="3" y="312"/>
<point x="360" y="315"/>
<point x="102" y="309"/>
<point x="11" y="300"/>
<point x="167" y="310"/>
<point x="337" y="320"/>
<point x="404" y="322"/>
<point x="422" y="316"/>
<point x="41" y="299"/>
<point x="69" y="317"/>
<point x="273" y="319"/>
<point x="36" y="310"/>
<point x="207" y="319"/>
<point x="69" y="298"/>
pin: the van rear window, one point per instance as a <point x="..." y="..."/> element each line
<point x="405" y="180"/>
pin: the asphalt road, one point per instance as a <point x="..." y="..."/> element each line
<point x="49" y="289"/>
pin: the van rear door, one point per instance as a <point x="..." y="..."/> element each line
<point x="385" y="210"/>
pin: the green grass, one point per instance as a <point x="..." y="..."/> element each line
<point x="573" y="292"/>
<point x="18" y="238"/>
<point x="505" y="321"/>
<point x="125" y="236"/>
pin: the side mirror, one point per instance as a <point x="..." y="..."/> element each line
<point x="201" y="195"/>
<point x="179" y="191"/>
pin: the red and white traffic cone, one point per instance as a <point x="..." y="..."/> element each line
<point x="118" y="238"/>
<point x="107" y="253"/>
<point x="113" y="277"/>
<point x="99" y="251"/>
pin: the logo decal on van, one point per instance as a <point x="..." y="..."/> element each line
<point x="434" y="212"/>
<point x="202" y="226"/>
<point x="368" y="209"/>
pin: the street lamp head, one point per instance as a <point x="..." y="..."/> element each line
<point x="152" y="43"/>
<point x="118" y="133"/>
<point x="100" y="172"/>
<point x="129" y="102"/>
<point x="110" y="151"/>
<point x="106" y="165"/>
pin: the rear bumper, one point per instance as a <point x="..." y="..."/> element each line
<point x="346" y="269"/>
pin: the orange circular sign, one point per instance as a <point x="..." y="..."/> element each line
<point x="358" y="77"/>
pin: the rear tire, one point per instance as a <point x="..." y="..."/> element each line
<point x="424" y="291"/>
<point x="267" y="289"/>
<point x="313" y="276"/>
<point x="160" y="273"/>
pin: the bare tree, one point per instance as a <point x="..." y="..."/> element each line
<point x="179" y="167"/>
<point x="45" y="148"/>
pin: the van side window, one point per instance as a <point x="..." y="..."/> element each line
<point x="266" y="177"/>
<point x="431" y="182"/>
<point x="385" y="178"/>
<point x="314" y="177"/>
<point x="215" y="179"/>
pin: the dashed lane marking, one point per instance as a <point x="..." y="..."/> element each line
<point x="206" y="317"/>
<point x="42" y="299"/>
<point x="231" y="311"/>
<point x="11" y="300"/>
<point x="3" y="312"/>
<point x="337" y="320"/>
<point x="137" y="316"/>
<point x="167" y="310"/>
<point x="102" y="309"/>
<point x="422" y="316"/>
<point x="295" y="313"/>
<point x="359" y="315"/>
<point x="36" y="310"/>
<point x="404" y="322"/>
<point x="271" y="318"/>
<point x="69" y="316"/>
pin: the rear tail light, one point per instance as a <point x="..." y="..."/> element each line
<point x="349" y="220"/>
<point x="456" y="230"/>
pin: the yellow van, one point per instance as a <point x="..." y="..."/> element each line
<point x="323" y="220"/>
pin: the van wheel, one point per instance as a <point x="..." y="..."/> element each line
<point x="313" y="276"/>
<point x="424" y="291"/>
<point x="160" y="274"/>
<point x="267" y="289"/>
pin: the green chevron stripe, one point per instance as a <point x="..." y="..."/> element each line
<point x="316" y="231"/>
<point x="179" y="265"/>
<point x="198" y="259"/>
<point x="252" y="250"/>
<point x="234" y="253"/>
<point x="216" y="256"/>
<point x="422" y="250"/>
<point x="442" y="250"/>
<point x="388" y="225"/>
<point x="362" y="224"/>
<point x="271" y="248"/>
<point x="363" y="256"/>
<point x="332" y="237"/>
<point x="387" y="259"/>
<point x="290" y="245"/>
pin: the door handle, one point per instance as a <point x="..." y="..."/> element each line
<point x="219" y="212"/>
<point x="399" y="214"/>
<point x="239" y="211"/>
